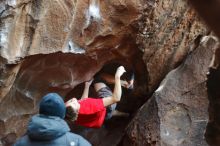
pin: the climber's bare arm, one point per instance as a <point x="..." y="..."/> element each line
<point x="116" y="96"/>
<point x="85" y="93"/>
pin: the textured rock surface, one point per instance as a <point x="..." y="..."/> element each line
<point x="211" y="15"/>
<point x="48" y="26"/>
<point x="179" y="107"/>
<point x="54" y="45"/>
<point x="34" y="27"/>
<point x="168" y="28"/>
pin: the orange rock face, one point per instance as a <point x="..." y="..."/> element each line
<point x="55" y="45"/>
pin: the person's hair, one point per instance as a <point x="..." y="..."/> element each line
<point x="71" y="114"/>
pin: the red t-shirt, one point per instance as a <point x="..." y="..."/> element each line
<point x="91" y="113"/>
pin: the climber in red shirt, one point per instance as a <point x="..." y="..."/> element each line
<point x="91" y="112"/>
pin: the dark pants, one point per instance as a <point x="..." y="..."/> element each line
<point x="106" y="92"/>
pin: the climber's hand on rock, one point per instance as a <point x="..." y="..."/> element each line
<point x="120" y="71"/>
<point x="88" y="83"/>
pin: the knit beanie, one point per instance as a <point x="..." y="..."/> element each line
<point x="53" y="105"/>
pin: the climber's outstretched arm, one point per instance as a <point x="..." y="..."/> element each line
<point x="116" y="96"/>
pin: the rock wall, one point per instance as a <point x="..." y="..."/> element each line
<point x="179" y="107"/>
<point x="55" y="45"/>
<point x="170" y="29"/>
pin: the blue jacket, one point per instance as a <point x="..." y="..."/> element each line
<point x="50" y="131"/>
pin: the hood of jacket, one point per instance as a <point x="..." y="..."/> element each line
<point x="43" y="127"/>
